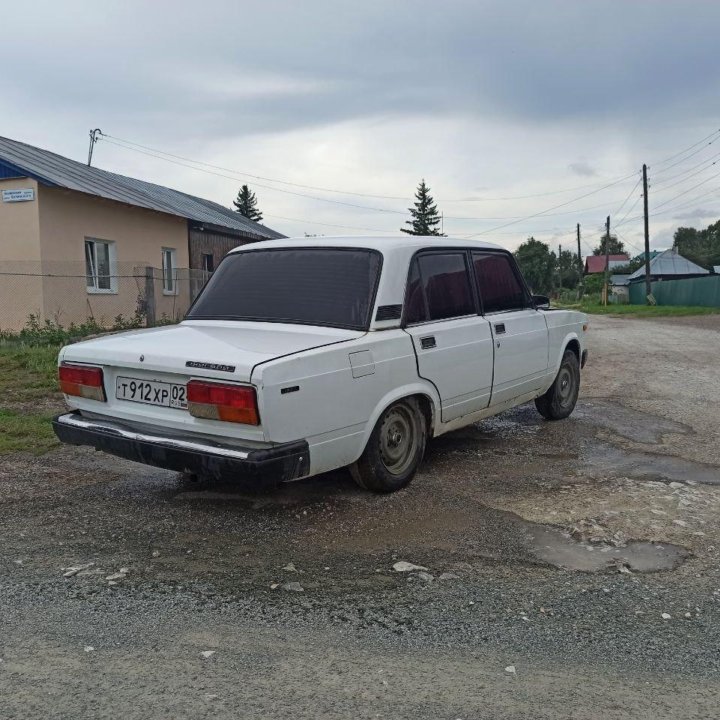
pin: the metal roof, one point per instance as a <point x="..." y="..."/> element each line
<point x="596" y="263"/>
<point x="51" y="169"/>
<point x="670" y="263"/>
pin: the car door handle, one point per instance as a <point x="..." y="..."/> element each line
<point x="428" y="342"/>
<point x="499" y="328"/>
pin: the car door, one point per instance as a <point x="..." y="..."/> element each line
<point x="519" y="331"/>
<point x="453" y="342"/>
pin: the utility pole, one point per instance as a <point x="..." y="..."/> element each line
<point x="93" y="139"/>
<point x="648" y="286"/>
<point x="581" y="283"/>
<point x="559" y="269"/>
<point x="607" y="259"/>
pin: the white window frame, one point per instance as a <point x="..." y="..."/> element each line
<point x="94" y="289"/>
<point x="205" y="257"/>
<point x="169" y="274"/>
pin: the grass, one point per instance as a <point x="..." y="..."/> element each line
<point x="595" y="308"/>
<point x="26" y="432"/>
<point x="28" y="392"/>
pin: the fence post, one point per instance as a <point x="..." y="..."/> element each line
<point x="149" y="296"/>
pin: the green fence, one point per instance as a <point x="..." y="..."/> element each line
<point x="700" y="291"/>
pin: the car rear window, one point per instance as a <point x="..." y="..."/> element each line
<point x="312" y="286"/>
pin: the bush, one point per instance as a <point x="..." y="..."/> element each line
<point x="52" y="333"/>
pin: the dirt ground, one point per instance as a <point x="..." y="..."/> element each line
<point x="568" y="570"/>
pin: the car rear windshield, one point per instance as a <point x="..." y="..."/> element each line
<point x="312" y="286"/>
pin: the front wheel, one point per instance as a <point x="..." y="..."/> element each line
<point x="394" y="450"/>
<point x="559" y="401"/>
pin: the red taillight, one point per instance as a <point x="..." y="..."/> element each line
<point x="231" y="403"/>
<point x="82" y="381"/>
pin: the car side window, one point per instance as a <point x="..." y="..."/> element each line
<point x="439" y="288"/>
<point x="499" y="286"/>
<point x="415" y="308"/>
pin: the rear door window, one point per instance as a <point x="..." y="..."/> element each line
<point x="499" y="285"/>
<point x="438" y="288"/>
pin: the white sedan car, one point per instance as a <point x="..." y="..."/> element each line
<point x="301" y="357"/>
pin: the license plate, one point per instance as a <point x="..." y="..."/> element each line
<point x="151" y="392"/>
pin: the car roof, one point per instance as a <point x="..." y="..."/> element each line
<point x="381" y="243"/>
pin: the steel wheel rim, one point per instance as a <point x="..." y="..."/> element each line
<point x="566" y="386"/>
<point x="397" y="440"/>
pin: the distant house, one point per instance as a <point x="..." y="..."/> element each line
<point x="641" y="256"/>
<point x="596" y="263"/>
<point x="620" y="288"/>
<point x="669" y="265"/>
<point x="78" y="242"/>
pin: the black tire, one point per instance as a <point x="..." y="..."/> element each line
<point x="395" y="449"/>
<point x="560" y="400"/>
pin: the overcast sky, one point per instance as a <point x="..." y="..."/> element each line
<point x="488" y="101"/>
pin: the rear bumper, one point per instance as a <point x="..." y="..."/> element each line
<point x="264" y="466"/>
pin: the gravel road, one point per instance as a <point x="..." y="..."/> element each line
<point x="570" y="569"/>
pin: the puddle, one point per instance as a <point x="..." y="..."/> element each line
<point x="644" y="466"/>
<point x="628" y="423"/>
<point x="558" y="548"/>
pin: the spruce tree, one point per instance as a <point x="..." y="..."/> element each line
<point x="425" y="217"/>
<point x="246" y="204"/>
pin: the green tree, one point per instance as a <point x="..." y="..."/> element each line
<point x="569" y="269"/>
<point x="699" y="246"/>
<point x="616" y="247"/>
<point x="425" y="217"/>
<point x="246" y="204"/>
<point x="538" y="264"/>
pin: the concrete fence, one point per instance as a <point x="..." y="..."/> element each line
<point x="64" y="294"/>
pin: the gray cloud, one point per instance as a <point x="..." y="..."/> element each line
<point x="582" y="168"/>
<point x="698" y="214"/>
<point x="498" y="98"/>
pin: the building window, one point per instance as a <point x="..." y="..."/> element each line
<point x="208" y="262"/>
<point x="100" y="274"/>
<point x="169" y="269"/>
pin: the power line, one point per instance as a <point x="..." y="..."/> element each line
<point x="121" y="142"/>
<point x="685" y="192"/>
<point x="366" y="207"/>
<point x="543" y="212"/>
<point x="687" y="157"/>
<point x="118" y="142"/>
<point x="637" y="200"/>
<point x="677" y="154"/>
<point x="697" y="172"/>
<point x="617" y="212"/>
<point x="664" y="181"/>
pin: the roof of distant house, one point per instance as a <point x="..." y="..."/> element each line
<point x="670" y="262"/>
<point x="596" y="263"/>
<point x="620" y="280"/>
<point x="54" y="170"/>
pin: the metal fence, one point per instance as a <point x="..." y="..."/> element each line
<point x="67" y="293"/>
<point x="698" y="291"/>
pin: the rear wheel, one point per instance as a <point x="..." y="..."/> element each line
<point x="559" y="401"/>
<point x="394" y="450"/>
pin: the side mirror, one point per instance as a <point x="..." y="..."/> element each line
<point x="542" y="302"/>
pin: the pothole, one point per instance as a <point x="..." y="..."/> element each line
<point x="628" y="423"/>
<point x="558" y="548"/>
<point x="602" y="459"/>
